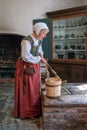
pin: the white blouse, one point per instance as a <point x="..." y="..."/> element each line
<point x="25" y="51"/>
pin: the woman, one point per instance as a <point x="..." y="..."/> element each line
<point x="27" y="86"/>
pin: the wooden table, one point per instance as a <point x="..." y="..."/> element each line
<point x="67" y="112"/>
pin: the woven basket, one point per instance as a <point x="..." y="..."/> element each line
<point x="53" y="87"/>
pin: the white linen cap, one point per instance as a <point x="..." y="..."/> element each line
<point x="40" y="26"/>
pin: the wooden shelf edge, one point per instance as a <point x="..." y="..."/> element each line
<point x="67" y="61"/>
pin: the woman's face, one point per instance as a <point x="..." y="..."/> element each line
<point x="42" y="34"/>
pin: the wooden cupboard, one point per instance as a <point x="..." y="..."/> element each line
<point x="66" y="50"/>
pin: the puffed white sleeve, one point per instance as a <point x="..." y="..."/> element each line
<point x="26" y="55"/>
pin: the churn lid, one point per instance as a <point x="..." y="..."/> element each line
<point x="53" y="81"/>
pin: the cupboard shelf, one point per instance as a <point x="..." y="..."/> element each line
<point x="66" y="28"/>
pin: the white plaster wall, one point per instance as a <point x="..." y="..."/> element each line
<point x="16" y="15"/>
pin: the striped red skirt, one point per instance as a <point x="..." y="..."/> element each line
<point x="27" y="101"/>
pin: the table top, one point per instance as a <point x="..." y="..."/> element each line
<point x="72" y="95"/>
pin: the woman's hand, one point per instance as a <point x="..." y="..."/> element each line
<point x="43" y="60"/>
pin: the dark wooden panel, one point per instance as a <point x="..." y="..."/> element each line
<point x="77" y="73"/>
<point x="61" y="70"/>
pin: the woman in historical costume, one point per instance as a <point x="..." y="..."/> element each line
<point x="27" y="102"/>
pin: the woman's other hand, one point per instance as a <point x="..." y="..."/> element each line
<point x="43" y="60"/>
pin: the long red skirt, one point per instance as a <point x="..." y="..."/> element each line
<point x="27" y="95"/>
